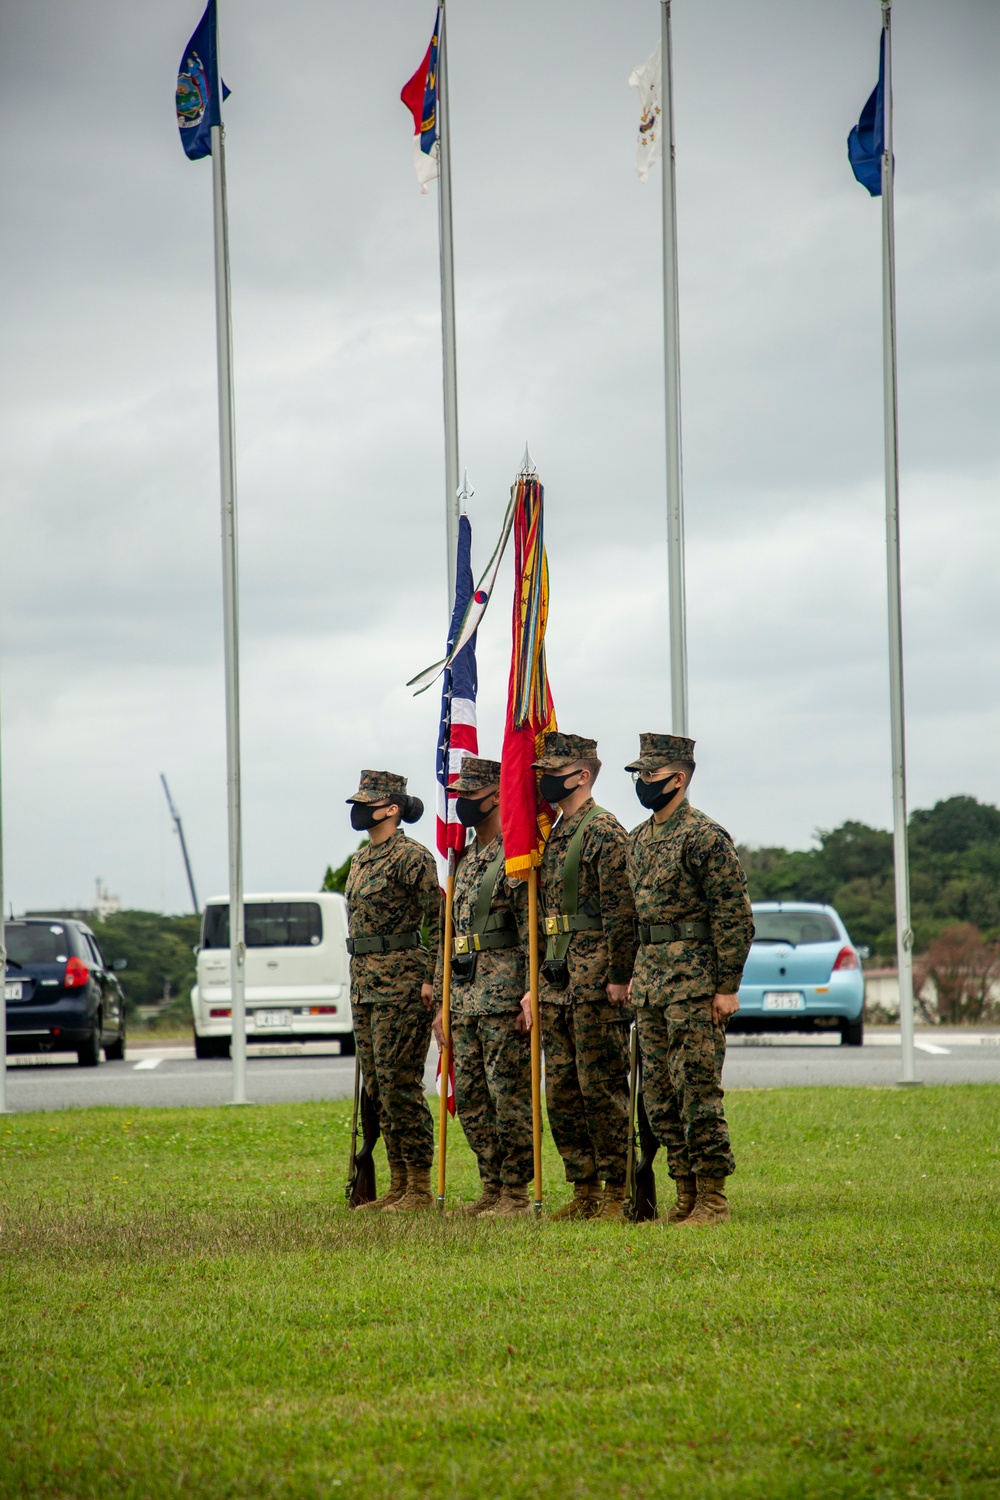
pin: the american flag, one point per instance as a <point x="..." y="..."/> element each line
<point x="457" y="736"/>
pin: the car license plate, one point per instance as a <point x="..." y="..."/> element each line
<point x="12" y="990"/>
<point x="272" y="1018"/>
<point x="784" y="1000"/>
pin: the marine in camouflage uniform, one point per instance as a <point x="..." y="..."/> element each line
<point x="490" y="1046"/>
<point x="584" y="1034"/>
<point x="392" y="892"/>
<point x="685" y="870"/>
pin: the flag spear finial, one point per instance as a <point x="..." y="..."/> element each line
<point x="527" y="467"/>
<point x="465" y="493"/>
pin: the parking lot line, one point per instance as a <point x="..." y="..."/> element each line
<point x="146" y="1064"/>
<point x="933" y="1047"/>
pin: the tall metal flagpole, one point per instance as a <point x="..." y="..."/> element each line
<point x="904" y="933"/>
<point x="230" y="603"/>
<point x="447" y="251"/>
<point x="672" y="390"/>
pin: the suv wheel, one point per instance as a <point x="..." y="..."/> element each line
<point x="89" y="1055"/>
<point x="115" y="1051"/>
<point x="852" y="1033"/>
<point x="211" y="1046"/>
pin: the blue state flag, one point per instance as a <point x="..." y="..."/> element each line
<point x="199" y="93"/>
<point x="866" y="142"/>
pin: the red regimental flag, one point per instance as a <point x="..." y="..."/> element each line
<point x="525" y="818"/>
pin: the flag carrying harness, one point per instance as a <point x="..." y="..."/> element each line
<point x="489" y="929"/>
<point x="561" y="927"/>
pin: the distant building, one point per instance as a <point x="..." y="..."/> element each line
<point x="104" y="906"/>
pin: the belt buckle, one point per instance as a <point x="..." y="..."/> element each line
<point x="554" y="925"/>
<point x="461" y="945"/>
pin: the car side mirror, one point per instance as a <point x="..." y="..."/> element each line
<point x="118" y="964"/>
<point x="864" y="951"/>
<point x="196" y="950"/>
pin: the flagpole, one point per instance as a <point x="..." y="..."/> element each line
<point x="230" y="602"/>
<point x="672" y="394"/>
<point x="449" y="907"/>
<point x="536" y="1038"/>
<point x="447" y="253"/>
<point x="904" y="932"/>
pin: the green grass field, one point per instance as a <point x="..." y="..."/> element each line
<point x="188" y="1310"/>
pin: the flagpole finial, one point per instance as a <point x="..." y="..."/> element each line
<point x="527" y="467"/>
<point x="466" y="491"/>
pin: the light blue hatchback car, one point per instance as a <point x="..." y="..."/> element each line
<point x="803" y="973"/>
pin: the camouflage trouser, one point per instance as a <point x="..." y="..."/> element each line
<point x="682" y="1056"/>
<point x="493" y="1095"/>
<point x="586" y="1087"/>
<point x="392" y="1041"/>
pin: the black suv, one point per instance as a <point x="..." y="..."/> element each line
<point x="61" y="995"/>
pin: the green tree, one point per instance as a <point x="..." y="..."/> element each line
<point x="161" y="964"/>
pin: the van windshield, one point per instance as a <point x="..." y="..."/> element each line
<point x="36" y="942"/>
<point x="269" y="924"/>
<point x="795" y="927"/>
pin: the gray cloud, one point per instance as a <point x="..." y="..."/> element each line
<point x="111" y="640"/>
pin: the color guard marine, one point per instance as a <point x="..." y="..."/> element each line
<point x="392" y="894"/>
<point x="695" y="930"/>
<point x="489" y="1037"/>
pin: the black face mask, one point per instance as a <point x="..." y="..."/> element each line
<point x="553" y="788"/>
<point x="652" y="796"/>
<point x="363" y="816"/>
<point x="471" y="811"/>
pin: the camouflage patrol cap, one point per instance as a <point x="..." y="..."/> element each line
<point x="377" y="785"/>
<point x="659" y="750"/>
<point x="475" y="775"/>
<point x="564" y="750"/>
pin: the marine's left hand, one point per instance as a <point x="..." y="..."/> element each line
<point x="427" y="996"/>
<point x="724" y="1006"/>
<point x="617" y="993"/>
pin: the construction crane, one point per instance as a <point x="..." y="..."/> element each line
<point x="180" y="834"/>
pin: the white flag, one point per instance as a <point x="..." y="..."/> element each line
<point x="650" y="144"/>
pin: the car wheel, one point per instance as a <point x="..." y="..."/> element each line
<point x="347" y="1045"/>
<point x="115" y="1051"/>
<point x="852" y="1033"/>
<point x="89" y="1055"/>
<point x="211" y="1046"/>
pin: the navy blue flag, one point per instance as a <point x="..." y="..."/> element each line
<point x="199" y="95"/>
<point x="866" y="142"/>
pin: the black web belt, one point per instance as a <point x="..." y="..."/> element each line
<point x="675" y="932"/>
<point x="572" y="922"/>
<point x="392" y="943"/>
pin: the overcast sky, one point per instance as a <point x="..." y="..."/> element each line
<point x="110" y="592"/>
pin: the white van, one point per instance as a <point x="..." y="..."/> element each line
<point x="297" y="972"/>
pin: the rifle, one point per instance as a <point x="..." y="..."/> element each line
<point x="361" y="1167"/>
<point x="640" y="1178"/>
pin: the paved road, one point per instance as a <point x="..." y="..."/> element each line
<point x="169" y="1074"/>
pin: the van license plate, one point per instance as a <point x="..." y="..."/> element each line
<point x="272" y="1018"/>
<point x="784" y="1000"/>
<point x="12" y="991"/>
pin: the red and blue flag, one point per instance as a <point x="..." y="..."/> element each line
<point x="457" y="736"/>
<point x="420" y="96"/>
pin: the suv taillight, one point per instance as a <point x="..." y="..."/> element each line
<point x="76" y="974"/>
<point x="846" y="959"/>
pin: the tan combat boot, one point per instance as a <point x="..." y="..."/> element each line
<point x="585" y="1202"/>
<point x="513" y="1202"/>
<point x="488" y="1199"/>
<point x="680" y="1212"/>
<point x="418" y="1192"/>
<point x="613" y="1202"/>
<point x="397" y="1187"/>
<point x="710" y="1205"/>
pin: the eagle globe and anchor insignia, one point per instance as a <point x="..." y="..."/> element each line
<point x="192" y="93"/>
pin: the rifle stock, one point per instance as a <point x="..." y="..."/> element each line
<point x="640" y="1177"/>
<point x="361" y="1167"/>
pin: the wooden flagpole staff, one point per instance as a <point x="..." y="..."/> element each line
<point x="536" y="1038"/>
<point x="449" y="905"/>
